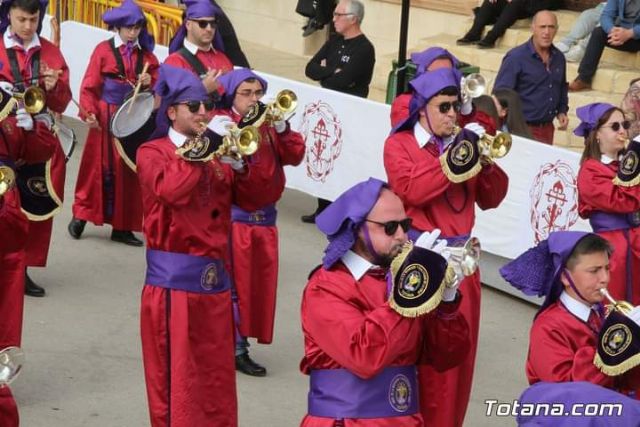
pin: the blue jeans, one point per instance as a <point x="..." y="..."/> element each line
<point x="584" y="25"/>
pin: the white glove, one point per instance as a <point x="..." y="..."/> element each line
<point x="635" y="315"/>
<point x="467" y="102"/>
<point x="637" y="138"/>
<point x="220" y="125"/>
<point x="449" y="293"/>
<point x="44" y="118"/>
<point x="280" y="126"/>
<point x="25" y="121"/>
<point x="6" y="86"/>
<point x="476" y="128"/>
<point x="236" y="164"/>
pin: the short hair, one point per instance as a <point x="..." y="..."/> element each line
<point x="356" y="8"/>
<point x="29" y="6"/>
<point x="448" y="91"/>
<point x="589" y="244"/>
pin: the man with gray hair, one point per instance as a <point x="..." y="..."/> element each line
<point x="344" y="63"/>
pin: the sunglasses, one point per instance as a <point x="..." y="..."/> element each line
<point x="615" y="126"/>
<point x="203" y="23"/>
<point x="390" y="227"/>
<point x="446" y="106"/>
<point x="194" y="106"/>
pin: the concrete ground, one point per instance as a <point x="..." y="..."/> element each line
<point x="82" y="341"/>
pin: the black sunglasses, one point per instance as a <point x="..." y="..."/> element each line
<point x="615" y="126"/>
<point x="194" y="106"/>
<point x="446" y="106"/>
<point x="390" y="227"/>
<point x="202" y="23"/>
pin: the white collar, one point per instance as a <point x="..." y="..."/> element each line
<point x="606" y="159"/>
<point x="176" y="137"/>
<point x="575" y="307"/>
<point x="423" y="136"/>
<point x="117" y="41"/>
<point x="10" y="42"/>
<point x="357" y="265"/>
<point x="194" y="49"/>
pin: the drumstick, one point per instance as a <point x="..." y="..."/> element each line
<point x="82" y="110"/>
<point x="137" y="89"/>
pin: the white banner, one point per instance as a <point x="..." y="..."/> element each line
<point x="345" y="137"/>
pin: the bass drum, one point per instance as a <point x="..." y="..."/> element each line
<point x="133" y="128"/>
<point x="67" y="138"/>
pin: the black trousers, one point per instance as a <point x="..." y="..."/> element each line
<point x="503" y="14"/>
<point x="593" y="53"/>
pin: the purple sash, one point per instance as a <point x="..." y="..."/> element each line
<point x="114" y="91"/>
<point x="186" y="272"/>
<point x="265" y="216"/>
<point x="603" y="221"/>
<point x="460" y="240"/>
<point x="338" y="394"/>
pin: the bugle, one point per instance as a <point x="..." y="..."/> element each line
<point x="33" y="98"/>
<point x="622" y="306"/>
<point x="7" y="179"/>
<point x="465" y="258"/>
<point x="474" y="85"/>
<point x="11" y="362"/>
<point x="495" y="147"/>
<point x="286" y="102"/>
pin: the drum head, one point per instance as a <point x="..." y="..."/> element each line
<point x="125" y="123"/>
<point x="67" y="138"/>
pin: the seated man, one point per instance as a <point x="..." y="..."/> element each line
<point x="619" y="29"/>
<point x="359" y="350"/>
<point x="573" y="269"/>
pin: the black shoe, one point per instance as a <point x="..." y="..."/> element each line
<point x="467" y="41"/>
<point x="309" y="219"/>
<point x="486" y="44"/>
<point x="31" y="289"/>
<point x="125" y="237"/>
<point x="76" y="227"/>
<point x="310" y="28"/>
<point x="247" y="366"/>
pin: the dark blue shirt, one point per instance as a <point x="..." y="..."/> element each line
<point x="543" y="90"/>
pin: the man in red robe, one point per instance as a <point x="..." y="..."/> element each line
<point x="197" y="45"/>
<point x="107" y="189"/>
<point x="361" y="354"/>
<point x="441" y="177"/>
<point x="31" y="60"/>
<point x="573" y="270"/>
<point x="186" y="311"/>
<point x="23" y="140"/>
<point x="254" y="236"/>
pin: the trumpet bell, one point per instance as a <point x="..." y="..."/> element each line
<point x="248" y="141"/>
<point x="11" y="362"/>
<point x="7" y="179"/>
<point x="286" y="101"/>
<point x="475" y="85"/>
<point x="34" y="99"/>
<point x="466" y="257"/>
<point x="497" y="146"/>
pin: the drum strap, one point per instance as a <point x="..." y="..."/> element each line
<point x="195" y="63"/>
<point x="120" y="62"/>
<point x="18" y="80"/>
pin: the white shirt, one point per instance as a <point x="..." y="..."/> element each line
<point x="606" y="159"/>
<point x="423" y="136"/>
<point x="176" y="137"/>
<point x="117" y="42"/>
<point x="10" y="42"/>
<point x="193" y="48"/>
<point x="575" y="307"/>
<point x="357" y="265"/>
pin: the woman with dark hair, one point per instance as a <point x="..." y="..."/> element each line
<point x="510" y="115"/>
<point x="610" y="205"/>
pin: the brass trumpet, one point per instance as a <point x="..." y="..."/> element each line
<point x="240" y="142"/>
<point x="11" y="362"/>
<point x="33" y="98"/>
<point x="7" y="179"/>
<point x="474" y="85"/>
<point x="495" y="147"/>
<point x="622" y="306"/>
<point x="286" y="102"/>
<point x="466" y="257"/>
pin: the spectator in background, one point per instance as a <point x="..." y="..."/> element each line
<point x="230" y="41"/>
<point x="574" y="44"/>
<point x="619" y="29"/>
<point x="319" y="13"/>
<point x="510" y="117"/>
<point x="344" y="63"/>
<point x="503" y="14"/>
<point x="485" y="105"/>
<point x="631" y="107"/>
<point x="536" y="70"/>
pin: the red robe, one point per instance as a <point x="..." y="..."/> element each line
<point x="100" y="155"/>
<point x="349" y="324"/>
<point x="187" y="338"/>
<point x="562" y="348"/>
<point x="255" y="247"/>
<point x="432" y="201"/>
<point x="212" y="60"/>
<point x="19" y="146"/>
<point x="37" y="249"/>
<point x="596" y="192"/>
